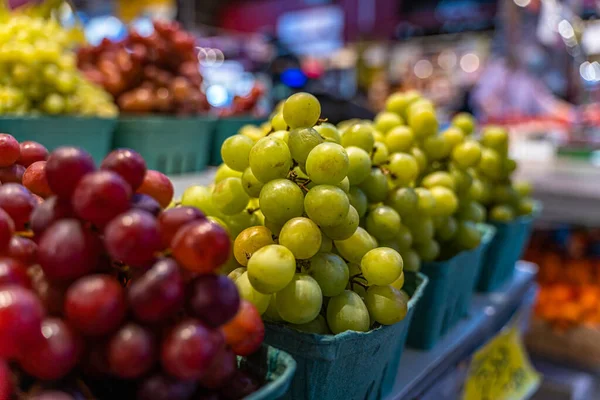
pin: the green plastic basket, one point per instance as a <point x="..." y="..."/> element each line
<point x="351" y="365"/>
<point x="448" y="296"/>
<point x="225" y="128"/>
<point x="505" y="250"/>
<point x="91" y="134"/>
<point x="276" y="366"/>
<point x="168" y="144"/>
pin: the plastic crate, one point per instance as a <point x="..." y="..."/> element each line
<point x="448" y="296"/>
<point x="276" y="366"/>
<point x="505" y="250"/>
<point x="91" y="134"/>
<point x="351" y="365"/>
<point x="170" y="145"/>
<point x="225" y="128"/>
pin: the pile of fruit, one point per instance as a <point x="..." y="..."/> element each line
<point x="107" y="294"/>
<point x="38" y="72"/>
<point x="148" y="74"/>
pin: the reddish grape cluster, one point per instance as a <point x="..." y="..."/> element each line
<point x="99" y="282"/>
<point x="244" y="104"/>
<point x="149" y="74"/>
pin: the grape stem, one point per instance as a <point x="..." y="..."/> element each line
<point x="321" y="120"/>
<point x="388" y="172"/>
<point x="252" y="210"/>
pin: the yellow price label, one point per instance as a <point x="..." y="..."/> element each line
<point x="501" y="370"/>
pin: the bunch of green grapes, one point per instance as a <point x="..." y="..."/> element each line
<point x="38" y="72"/>
<point x="287" y="193"/>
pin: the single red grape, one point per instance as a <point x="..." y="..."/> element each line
<point x="214" y="299"/>
<point x="221" y="371"/>
<point x="67" y="250"/>
<point x="146" y="203"/>
<point x="133" y="238"/>
<point x="13" y="272"/>
<point x="65" y="168"/>
<point x="9" y="150"/>
<point x="7" y="228"/>
<point x="95" y="305"/>
<point x="35" y="180"/>
<point x="158" y="293"/>
<point x="246" y="331"/>
<point x="189" y="349"/>
<point x="23" y="250"/>
<point x="162" y="387"/>
<point x="129" y="164"/>
<point x="32" y="152"/>
<point x="201" y="246"/>
<point x="6" y="385"/>
<point x="100" y="196"/>
<point x="12" y="174"/>
<point x="53" y="356"/>
<point x="169" y="221"/>
<point x="240" y="386"/>
<point x="131" y="352"/>
<point x="48" y="212"/>
<point x="21" y="315"/>
<point x="158" y="186"/>
<point x="18" y="203"/>
<point x="51" y="294"/>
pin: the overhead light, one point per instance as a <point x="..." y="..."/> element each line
<point x="423" y="69"/>
<point x="522" y="3"/>
<point x="469" y="63"/>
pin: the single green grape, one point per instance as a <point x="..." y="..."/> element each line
<point x="439" y="178"/>
<point x="446" y="202"/>
<point x="380" y="153"/>
<point x="253" y="132"/>
<point x="468" y="236"/>
<point x="378" y="136"/>
<point x="404" y="168"/>
<point x="329" y="132"/>
<point x="495" y="137"/>
<point x="344" y="185"/>
<point x="421" y="228"/>
<point x="412" y="261"/>
<point x="358" y="200"/>
<point x="240" y="221"/>
<point x="420" y="157"/>
<point x="399" y="102"/>
<point x="375" y="187"/>
<point x="327" y="164"/>
<point x="467" y="154"/>
<point x="53" y="104"/>
<point x="524" y="189"/>
<point x="282" y="135"/>
<point x="249" y="293"/>
<point x="359" y="165"/>
<point x="428" y="251"/>
<point x="426" y="202"/>
<point x="490" y="164"/>
<point x="453" y="136"/>
<point x="385" y="120"/>
<point x="436" y="147"/>
<point x="300" y="301"/>
<point x="404" y="200"/>
<point x="505" y="194"/>
<point x="383" y="222"/>
<point x="347" y="312"/>
<point x="445" y="228"/>
<point x="301" y="110"/>
<point x="270" y="159"/>
<point x="472" y="211"/>
<point x="423" y="121"/>
<point x="236" y="273"/>
<point x="399" y="140"/>
<point x="345" y="229"/>
<point x="381" y="266"/>
<point x="526" y="206"/>
<point x="301" y="142"/>
<point x="302" y="237"/>
<point x="200" y="197"/>
<point x="502" y="213"/>
<point x="251" y="185"/>
<point x="359" y="135"/>
<point x="463" y="181"/>
<point x="278" y="122"/>
<point x="225" y="172"/>
<point x="465" y="122"/>
<point x="271" y="268"/>
<point x="386" y="304"/>
<point x="331" y="273"/>
<point x="249" y="241"/>
<point x="356" y="246"/>
<point x="317" y="326"/>
<point x="271" y="314"/>
<point x="326" y="205"/>
<point x="236" y="152"/>
<point x="281" y="200"/>
<point x="404" y="238"/>
<point x="272" y="226"/>
<point x="230" y="197"/>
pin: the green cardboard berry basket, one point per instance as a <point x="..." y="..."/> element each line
<point x="351" y="365"/>
<point x="225" y="128"/>
<point x="276" y="366"/>
<point x="91" y="134"/>
<point x="448" y="296"/>
<point x="171" y="145"/>
<point x="505" y="250"/>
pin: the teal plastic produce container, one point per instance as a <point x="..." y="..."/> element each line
<point x="505" y="250"/>
<point x="448" y="296"/>
<point x="225" y="128"/>
<point x="91" y="134"/>
<point x="275" y="366"/>
<point x="348" y="366"/>
<point x="170" y="145"/>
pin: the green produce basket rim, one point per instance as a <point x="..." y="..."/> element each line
<point x="326" y="340"/>
<point x="280" y="384"/>
<point x="160" y="118"/>
<point x="242" y="118"/>
<point x="56" y="118"/>
<point x="524" y="219"/>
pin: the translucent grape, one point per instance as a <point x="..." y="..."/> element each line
<point x="65" y="168"/>
<point x="230" y="197"/>
<point x="200" y="197"/>
<point x="248" y="293"/>
<point x="347" y="312"/>
<point x="412" y="261"/>
<point x="300" y="301"/>
<point x="278" y="122"/>
<point x="385" y="120"/>
<point x="359" y="135"/>
<point x="225" y="172"/>
<point x="400" y="101"/>
<point x="302" y="237"/>
<point x="381" y="266"/>
<point x="131" y="351"/>
<point x="495" y="137"/>
<point x="404" y="238"/>
<point x="270" y="159"/>
<point x="502" y="213"/>
<point x="283" y="135"/>
<point x="436" y="147"/>
<point x="346" y="229"/>
<point x="524" y="189"/>
<point x="301" y="110"/>
<point x="326" y="244"/>
<point x="423" y="121"/>
<point x="273" y="227"/>
<point x="327" y="164"/>
<point x="375" y="186"/>
<point x="358" y="200"/>
<point x="317" y="326"/>
<point x="386" y="304"/>
<point x="380" y="153"/>
<point x="399" y="283"/>
<point x="130" y="165"/>
<point x="235" y="152"/>
<point x="525" y="207"/>
<point x="359" y="165"/>
<point x="465" y="122"/>
<point x="271" y="314"/>
<point x="420" y="157"/>
<point x="326" y="205"/>
<point x="490" y="164"/>
<point x="133" y="238"/>
<point x="467" y="154"/>
<point x="201" y="246"/>
<point x="271" y="268"/>
<point x="251" y="185"/>
<point x="445" y="228"/>
<point x="158" y="186"/>
<point x="422" y="228"/>
<point x="404" y="200"/>
<point x="170" y="221"/>
<point x="331" y="273"/>
<point x="453" y="136"/>
<point x="403" y="168"/>
<point x="446" y="202"/>
<point x="329" y="132"/>
<point x="428" y="251"/>
<point x="426" y="202"/>
<point x="399" y="140"/>
<point x="249" y="241"/>
<point x="355" y="247"/>
<point x="439" y="178"/>
<point x="213" y="299"/>
<point x="301" y="142"/>
<point x="281" y="200"/>
<point x="472" y="211"/>
<point x="344" y="185"/>
<point x="383" y="222"/>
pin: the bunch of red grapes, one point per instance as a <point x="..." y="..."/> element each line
<point x="104" y="293"/>
<point x="149" y="74"/>
<point x="244" y="104"/>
